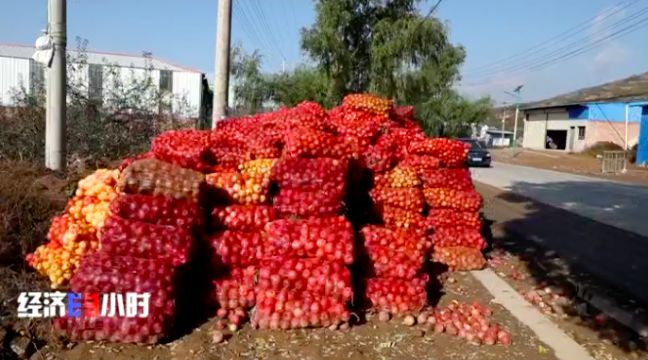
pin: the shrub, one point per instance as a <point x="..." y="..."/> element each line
<point x="601" y="146"/>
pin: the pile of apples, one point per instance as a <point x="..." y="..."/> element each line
<point x="273" y="197"/>
<point x="73" y="234"/>
<point x="147" y="236"/>
<point x="468" y="321"/>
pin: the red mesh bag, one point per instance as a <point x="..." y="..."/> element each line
<point x="403" y="263"/>
<point x="458" y="236"/>
<point x="186" y="148"/>
<point x="403" y="113"/>
<point x="330" y="238"/>
<point x="303" y="203"/>
<point x="263" y="147"/>
<point x="308" y="142"/>
<point x="228" y="159"/>
<point x="237" y="289"/>
<point x="453" y="199"/>
<point x="287" y="309"/>
<point x="438" y="218"/>
<point x="360" y="124"/>
<point x="398" y="178"/>
<point x="421" y="163"/>
<point x="460" y="258"/>
<point x="239" y="188"/>
<point x="311" y="275"/>
<point x="395" y="239"/>
<point x="310" y="174"/>
<point x="400" y="218"/>
<point x="159" y="210"/>
<point x="379" y="159"/>
<point x="400" y="138"/>
<point x="103" y="273"/>
<point x="451" y="153"/>
<point x="457" y="179"/>
<point x="368" y="103"/>
<point x="242" y="217"/>
<point x="405" y="198"/>
<point x="308" y="113"/>
<point x="239" y="249"/>
<point x="397" y="296"/>
<point x="125" y="237"/>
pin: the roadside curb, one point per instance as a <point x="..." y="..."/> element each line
<point x="563" y="346"/>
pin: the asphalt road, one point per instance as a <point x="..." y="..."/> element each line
<point x="617" y="204"/>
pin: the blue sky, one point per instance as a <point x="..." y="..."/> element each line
<point x="183" y="32"/>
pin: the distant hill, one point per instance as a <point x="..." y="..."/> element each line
<point x="633" y="88"/>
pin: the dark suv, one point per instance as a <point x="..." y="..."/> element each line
<point x="477" y="155"/>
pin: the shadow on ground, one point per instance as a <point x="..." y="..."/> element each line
<point x="599" y="267"/>
<point x="613" y="203"/>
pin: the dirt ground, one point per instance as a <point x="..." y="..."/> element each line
<point x="371" y="340"/>
<point x="571" y="163"/>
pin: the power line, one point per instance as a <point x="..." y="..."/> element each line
<point x="569" y="46"/>
<point x="617" y="34"/>
<point x="432" y="9"/>
<point x="262" y="42"/>
<point x="579" y="28"/>
<point x="268" y="29"/>
<point x="579" y="46"/>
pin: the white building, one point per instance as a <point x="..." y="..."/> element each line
<point x="18" y="70"/>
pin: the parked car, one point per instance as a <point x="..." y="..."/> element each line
<point x="478" y="155"/>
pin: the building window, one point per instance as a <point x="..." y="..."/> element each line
<point x="95" y="82"/>
<point x="581" y="133"/>
<point x="166" y="81"/>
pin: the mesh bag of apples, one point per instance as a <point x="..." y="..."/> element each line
<point x="306" y="283"/>
<point x="397" y="250"/>
<point x="144" y="241"/>
<point x="454" y="204"/>
<point x="237" y="237"/>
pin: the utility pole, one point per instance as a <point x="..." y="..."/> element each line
<point x="503" y="122"/>
<point x="221" y="76"/>
<point x="55" y="155"/>
<point x="515" y="94"/>
<point x="625" y="146"/>
<point x="517" y="113"/>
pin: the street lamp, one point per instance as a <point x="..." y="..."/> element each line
<point x="504" y="103"/>
<point x="516" y="95"/>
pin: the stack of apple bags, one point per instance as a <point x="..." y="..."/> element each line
<point x="283" y="255"/>
<point x="146" y="240"/>
<point x="454" y="205"/>
<point x="392" y="246"/>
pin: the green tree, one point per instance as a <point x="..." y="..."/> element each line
<point x="388" y="48"/>
<point x="303" y="83"/>
<point x="251" y="88"/>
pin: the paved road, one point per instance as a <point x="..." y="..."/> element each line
<point x="616" y="256"/>
<point x="613" y="203"/>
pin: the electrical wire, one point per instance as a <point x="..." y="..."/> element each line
<point x="577" y="48"/>
<point x="263" y="21"/>
<point x="595" y="38"/>
<point x="538" y="48"/>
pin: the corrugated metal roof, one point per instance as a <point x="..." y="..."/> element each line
<point x="630" y="89"/>
<point x="99" y="57"/>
